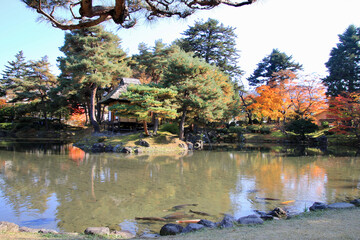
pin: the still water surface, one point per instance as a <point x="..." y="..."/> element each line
<point x="60" y="187"/>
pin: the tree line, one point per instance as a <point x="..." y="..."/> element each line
<point x="194" y="80"/>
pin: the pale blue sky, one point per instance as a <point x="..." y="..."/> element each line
<point x="305" y="29"/>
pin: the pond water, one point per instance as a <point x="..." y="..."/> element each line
<point x="60" y="187"/>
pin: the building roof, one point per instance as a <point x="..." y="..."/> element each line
<point x="121" y="88"/>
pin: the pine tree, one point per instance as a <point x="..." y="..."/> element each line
<point x="215" y="43"/>
<point x="15" y="72"/>
<point x="200" y="97"/>
<point x="146" y="100"/>
<point x="93" y="60"/>
<point x="344" y="64"/>
<point x="273" y="63"/>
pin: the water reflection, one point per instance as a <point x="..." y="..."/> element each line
<point x="71" y="190"/>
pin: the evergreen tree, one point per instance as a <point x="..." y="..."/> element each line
<point x="150" y="63"/>
<point x="14" y="74"/>
<point x="93" y="60"/>
<point x="215" y="43"/>
<point x="200" y="97"/>
<point x="275" y="62"/>
<point x="146" y="100"/>
<point x="344" y="64"/>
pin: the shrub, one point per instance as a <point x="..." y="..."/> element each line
<point x="265" y="130"/>
<point x="102" y="139"/>
<point x="302" y="126"/>
<point x="6" y="126"/>
<point x="170" y="127"/>
<point x="325" y="124"/>
<point x="236" y="129"/>
<point x="253" y="128"/>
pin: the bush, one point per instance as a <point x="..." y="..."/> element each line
<point x="302" y="126"/>
<point x="102" y="139"/>
<point x="253" y="128"/>
<point x="325" y="124"/>
<point x="236" y="129"/>
<point x="6" y="126"/>
<point x="170" y="127"/>
<point x="265" y="130"/>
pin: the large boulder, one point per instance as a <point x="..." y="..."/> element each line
<point x="8" y="227"/>
<point x="126" y="150"/>
<point x="318" y="206"/>
<point x="98" y="148"/>
<point x="117" y="148"/>
<point x="108" y="148"/>
<point x="192" y="227"/>
<point x="341" y="205"/>
<point x="171" y="229"/>
<point x="142" y="143"/>
<point x="47" y="231"/>
<point x="227" y="222"/>
<point x="207" y="223"/>
<point x="251" y="219"/>
<point x="97" y="231"/>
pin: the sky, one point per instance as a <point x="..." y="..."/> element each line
<point x="305" y="29"/>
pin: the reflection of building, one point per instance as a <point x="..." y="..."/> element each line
<point x="114" y="97"/>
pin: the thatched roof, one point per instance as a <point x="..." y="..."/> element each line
<point x="121" y="88"/>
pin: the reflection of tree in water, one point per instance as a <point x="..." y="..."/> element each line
<point x="107" y="189"/>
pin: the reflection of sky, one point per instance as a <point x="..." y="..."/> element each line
<point x="239" y="198"/>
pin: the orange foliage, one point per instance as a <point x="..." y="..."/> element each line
<point x="2" y="103"/>
<point x="286" y="96"/>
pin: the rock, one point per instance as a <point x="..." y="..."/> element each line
<point x="47" y="231"/>
<point x="29" y="230"/>
<point x="207" y="223"/>
<point x="227" y="222"/>
<point x="318" y="206"/>
<point x="251" y="219"/>
<point x="192" y="227"/>
<point x="8" y="227"/>
<point x="138" y="150"/>
<point x="117" y="148"/>
<point x="97" y="231"/>
<point x="278" y="212"/>
<point x="171" y="229"/>
<point x="264" y="215"/>
<point x="142" y="143"/>
<point x="98" y="148"/>
<point x="124" y="234"/>
<point x="108" y="148"/>
<point x="126" y="150"/>
<point x="190" y="146"/>
<point x="341" y="205"/>
<point x="356" y="202"/>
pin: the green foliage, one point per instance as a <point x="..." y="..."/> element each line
<point x="234" y="129"/>
<point x="214" y="43"/>
<point x="102" y="139"/>
<point x="6" y="126"/>
<point x="302" y="126"/>
<point x="325" y="124"/>
<point x="170" y="127"/>
<point x="271" y="64"/>
<point x="253" y="128"/>
<point x="343" y="64"/>
<point x="265" y="130"/>
<point x="144" y="99"/>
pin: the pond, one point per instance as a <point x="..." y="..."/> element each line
<point x="60" y="187"/>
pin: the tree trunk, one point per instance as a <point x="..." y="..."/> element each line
<point x="145" y="128"/>
<point x="182" y="124"/>
<point x="45" y="114"/>
<point x="92" y="118"/>
<point x="156" y="124"/>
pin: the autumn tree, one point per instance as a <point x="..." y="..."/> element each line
<point x="345" y="109"/>
<point x="93" y="60"/>
<point x="215" y="43"/>
<point x="275" y="62"/>
<point x="77" y="14"/>
<point x="147" y="101"/>
<point x="344" y="64"/>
